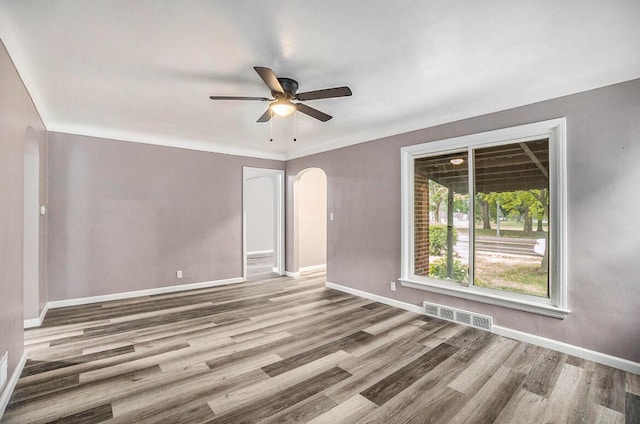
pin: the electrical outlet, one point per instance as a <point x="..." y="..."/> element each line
<point x="179" y="274"/>
<point x="392" y="285"/>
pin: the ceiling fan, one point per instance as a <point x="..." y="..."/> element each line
<point x="283" y="91"/>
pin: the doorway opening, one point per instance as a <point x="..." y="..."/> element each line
<point x="32" y="293"/>
<point x="310" y="220"/>
<point x="263" y="222"/>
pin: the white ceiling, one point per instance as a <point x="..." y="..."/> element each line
<point x="143" y="70"/>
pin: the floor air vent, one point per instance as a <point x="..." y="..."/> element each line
<point x="484" y="322"/>
<point x="430" y="309"/>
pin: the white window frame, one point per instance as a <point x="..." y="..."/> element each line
<point x="555" y="130"/>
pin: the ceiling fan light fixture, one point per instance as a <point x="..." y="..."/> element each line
<point x="456" y="161"/>
<point x="283" y="91"/>
<point x="282" y="107"/>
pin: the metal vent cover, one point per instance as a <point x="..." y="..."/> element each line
<point x="463" y="317"/>
<point x="472" y="319"/>
<point x="447" y="314"/>
<point x="482" y="322"/>
<point x="431" y="310"/>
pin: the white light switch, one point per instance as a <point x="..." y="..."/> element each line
<point x="43" y="210"/>
<point x="331" y="216"/>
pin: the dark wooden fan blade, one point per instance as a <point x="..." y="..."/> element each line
<point x="263" y="99"/>
<point x="269" y="78"/>
<point x="314" y="113"/>
<point x="265" y="116"/>
<point x="324" y="94"/>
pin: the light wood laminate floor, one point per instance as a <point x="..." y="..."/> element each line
<point x="260" y="266"/>
<point x="290" y="350"/>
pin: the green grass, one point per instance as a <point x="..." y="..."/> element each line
<point x="518" y="279"/>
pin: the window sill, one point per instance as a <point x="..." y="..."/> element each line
<point x="546" y="309"/>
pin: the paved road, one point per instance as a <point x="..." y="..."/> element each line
<point x="489" y="244"/>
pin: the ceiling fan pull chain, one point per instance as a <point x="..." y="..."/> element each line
<point x="271" y="127"/>
<point x="294" y="128"/>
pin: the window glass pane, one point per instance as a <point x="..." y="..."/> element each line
<point x="512" y="217"/>
<point x="441" y="217"/>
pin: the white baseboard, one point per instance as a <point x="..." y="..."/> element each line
<point x="260" y="252"/>
<point x="305" y="269"/>
<point x="580" y="352"/>
<point x="312" y="268"/>
<point x="126" y="295"/>
<point x="5" y="396"/>
<point x="37" y="322"/>
<point x="376" y="298"/>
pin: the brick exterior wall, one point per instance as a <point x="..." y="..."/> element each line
<point x="421" y="224"/>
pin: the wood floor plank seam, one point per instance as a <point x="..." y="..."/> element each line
<point x="390" y="386"/>
<point x="276" y="350"/>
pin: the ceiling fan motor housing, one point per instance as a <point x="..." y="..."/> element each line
<point x="284" y="90"/>
<point x="289" y="86"/>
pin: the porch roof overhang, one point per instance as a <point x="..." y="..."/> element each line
<point x="517" y="166"/>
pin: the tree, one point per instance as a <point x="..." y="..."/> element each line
<point x="542" y="207"/>
<point x="543" y="198"/>
<point x="486" y="218"/>
<point x="461" y="203"/>
<point x="529" y="204"/>
<point x="522" y="202"/>
<point x="483" y="211"/>
<point x="437" y="194"/>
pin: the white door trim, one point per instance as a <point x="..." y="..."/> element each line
<point x="278" y="176"/>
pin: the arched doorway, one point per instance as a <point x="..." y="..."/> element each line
<point x="310" y="220"/>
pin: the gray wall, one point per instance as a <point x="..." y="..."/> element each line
<point x="604" y="236"/>
<point x="17" y="115"/>
<point x="126" y="216"/>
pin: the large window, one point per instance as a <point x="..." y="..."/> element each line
<point x="484" y="217"/>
